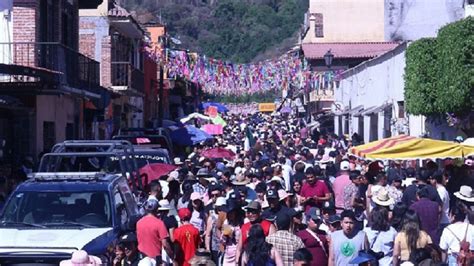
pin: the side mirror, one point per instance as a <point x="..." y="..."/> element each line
<point x="131" y="224"/>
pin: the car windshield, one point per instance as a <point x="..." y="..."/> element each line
<point x="57" y="209"/>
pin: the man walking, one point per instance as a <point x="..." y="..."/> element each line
<point x="283" y="240"/>
<point x="345" y="244"/>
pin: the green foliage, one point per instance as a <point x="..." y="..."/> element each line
<point x="439" y="73"/>
<point x="420" y="83"/>
<point x="231" y="30"/>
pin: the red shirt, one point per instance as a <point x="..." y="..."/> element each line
<point x="150" y="232"/>
<point x="187" y="237"/>
<point x="244" y="230"/>
<point x="317" y="189"/>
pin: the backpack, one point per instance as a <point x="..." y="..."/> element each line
<point x="465" y="254"/>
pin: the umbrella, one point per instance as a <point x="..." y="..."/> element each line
<point x="215" y="153"/>
<point x="407" y="147"/>
<point x="154" y="171"/>
<point x="220" y="107"/>
<point x="285" y="109"/>
<point x="189" y="135"/>
<point x="469" y="142"/>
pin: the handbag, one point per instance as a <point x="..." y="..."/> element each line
<point x="317" y="239"/>
<point x="370" y="251"/>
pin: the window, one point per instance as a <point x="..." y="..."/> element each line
<point x="120" y="209"/>
<point x="401" y="109"/>
<point x="318" y="25"/>
<point x="49" y="135"/>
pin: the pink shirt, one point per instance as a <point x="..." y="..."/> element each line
<point x="338" y="186"/>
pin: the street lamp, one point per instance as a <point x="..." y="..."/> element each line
<point x="328" y="57"/>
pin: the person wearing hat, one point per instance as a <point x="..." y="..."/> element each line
<point x="212" y="234"/>
<point x="341" y="181"/>
<point x="334" y="222"/>
<point x="201" y="257"/>
<point x="314" y="193"/>
<point x="253" y="210"/>
<point x="199" y="217"/>
<point x="131" y="257"/>
<point x="186" y="238"/>
<point x="170" y="223"/>
<point x="81" y="258"/>
<point x="285" y="242"/>
<point x="314" y="239"/>
<point x="177" y="161"/>
<point x="230" y="225"/>
<point x="152" y="234"/>
<point x="275" y="203"/>
<point x="345" y="244"/>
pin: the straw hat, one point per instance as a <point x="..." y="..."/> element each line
<point x="382" y="198"/>
<point x="80" y="257"/>
<point x="465" y="193"/>
<point x="201" y="257"/>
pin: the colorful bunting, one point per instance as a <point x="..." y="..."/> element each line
<point x="223" y="78"/>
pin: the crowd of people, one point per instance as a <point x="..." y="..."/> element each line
<point x="292" y="195"/>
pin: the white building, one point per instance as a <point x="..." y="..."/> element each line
<point x="370" y="99"/>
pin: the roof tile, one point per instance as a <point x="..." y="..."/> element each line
<point x="347" y="49"/>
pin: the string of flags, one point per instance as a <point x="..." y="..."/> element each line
<point x="223" y="78"/>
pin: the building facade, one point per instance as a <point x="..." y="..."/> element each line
<point x="50" y="91"/>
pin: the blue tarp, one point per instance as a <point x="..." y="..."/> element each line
<point x="220" y="107"/>
<point x="189" y="135"/>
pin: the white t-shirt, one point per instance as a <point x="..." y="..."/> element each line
<point x="449" y="241"/>
<point x="444" y="195"/>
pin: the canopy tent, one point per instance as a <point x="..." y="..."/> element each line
<point x="469" y="142"/>
<point x="189" y="135"/>
<point x="194" y="116"/>
<point x="407" y="147"/>
<point x="220" y="107"/>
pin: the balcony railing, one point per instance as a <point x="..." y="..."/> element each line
<point x="127" y="76"/>
<point x="78" y="70"/>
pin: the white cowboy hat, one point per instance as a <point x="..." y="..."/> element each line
<point x="465" y="193"/>
<point x="382" y="198"/>
<point x="177" y="161"/>
<point x="164" y="205"/>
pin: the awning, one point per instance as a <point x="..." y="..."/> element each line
<point x="405" y="147"/>
<point x="377" y="109"/>
<point x="353" y="110"/>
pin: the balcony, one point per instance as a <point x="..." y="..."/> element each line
<point x="125" y="77"/>
<point x="48" y="62"/>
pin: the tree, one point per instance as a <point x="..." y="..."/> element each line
<point x="439" y="75"/>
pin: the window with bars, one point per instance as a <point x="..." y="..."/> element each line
<point x="318" y="25"/>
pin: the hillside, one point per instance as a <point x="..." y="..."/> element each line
<point x="232" y="30"/>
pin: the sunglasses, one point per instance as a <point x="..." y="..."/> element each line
<point x="252" y="211"/>
<point x="214" y="195"/>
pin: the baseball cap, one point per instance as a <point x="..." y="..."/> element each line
<point x="345" y="166"/>
<point x="328" y="206"/>
<point x="184" y="213"/>
<point x="314" y="213"/>
<point x="334" y="219"/>
<point x="151" y="205"/>
<point x="272" y="194"/>
<point x="129" y="237"/>
<point x="362" y="257"/>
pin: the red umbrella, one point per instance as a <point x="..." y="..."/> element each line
<point x="154" y="171"/>
<point x="215" y="153"/>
